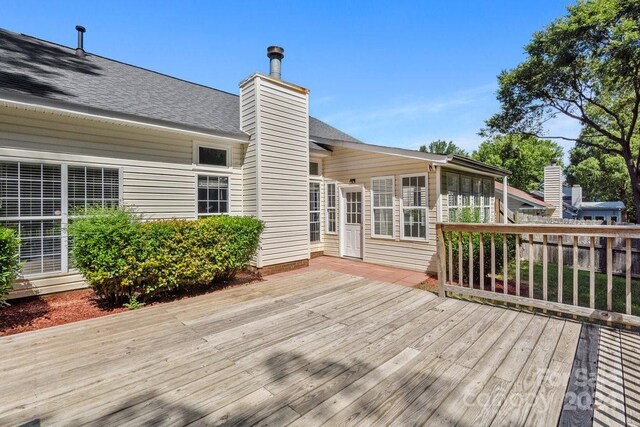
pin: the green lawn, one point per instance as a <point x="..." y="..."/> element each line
<point x="619" y="285"/>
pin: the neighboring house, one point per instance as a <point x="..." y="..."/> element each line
<point x="556" y="193"/>
<point x="520" y="201"/>
<point x="77" y="129"/>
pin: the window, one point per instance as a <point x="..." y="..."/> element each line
<point x="217" y="155"/>
<point x="92" y="186"/>
<point x="414" y="207"/>
<point x="587" y="217"/>
<point x="32" y="203"/>
<point x="382" y="207"/>
<point x="314" y="211"/>
<point x="213" y="195"/>
<point x="314" y="168"/>
<point x="467" y="193"/>
<point x="453" y="191"/>
<point x="331" y="208"/>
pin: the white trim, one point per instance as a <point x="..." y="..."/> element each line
<point x="209" y="174"/>
<point x="258" y="140"/>
<point x="115" y="120"/>
<point x="393" y="209"/>
<point x="343" y="212"/>
<point x="439" y="193"/>
<point x="326" y="207"/>
<point x="197" y="166"/>
<point x="426" y="208"/>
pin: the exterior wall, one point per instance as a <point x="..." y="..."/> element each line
<point x="280" y="144"/>
<point x="158" y="177"/>
<point x="343" y="166"/>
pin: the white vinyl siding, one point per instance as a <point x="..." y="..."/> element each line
<point x="332" y="218"/>
<point x="345" y="165"/>
<point x="382" y="196"/>
<point x="279" y="130"/>
<point x="414" y="207"/>
<point x="157" y="176"/>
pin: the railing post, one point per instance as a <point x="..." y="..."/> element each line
<point x="442" y="261"/>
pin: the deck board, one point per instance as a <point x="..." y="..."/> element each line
<point x="309" y="348"/>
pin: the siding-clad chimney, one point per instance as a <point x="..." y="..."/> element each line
<point x="553" y="189"/>
<point x="576" y="195"/>
<point x="276" y="116"/>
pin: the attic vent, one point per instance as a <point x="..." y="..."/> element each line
<point x="80" y="49"/>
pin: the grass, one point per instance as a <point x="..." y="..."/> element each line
<point x="618" y="294"/>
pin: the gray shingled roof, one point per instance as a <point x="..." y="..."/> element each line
<point x="50" y="73"/>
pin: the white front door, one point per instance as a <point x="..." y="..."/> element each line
<point x="352" y="231"/>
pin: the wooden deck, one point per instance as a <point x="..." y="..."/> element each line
<point x="304" y="349"/>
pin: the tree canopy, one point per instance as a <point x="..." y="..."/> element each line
<point x="440" y="146"/>
<point x="584" y="66"/>
<point x="525" y="156"/>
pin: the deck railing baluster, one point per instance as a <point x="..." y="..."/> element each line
<point x="481" y="250"/>
<point x="609" y="273"/>
<point x="471" y="260"/>
<point x="628" y="275"/>
<point x="560" y="267"/>
<point x="545" y="268"/>
<point x="493" y="262"/>
<point x="460" y="260"/>
<point x="575" y="270"/>
<point x="531" y="266"/>
<point x="592" y="273"/>
<point x="505" y="265"/>
<point x="517" y="264"/>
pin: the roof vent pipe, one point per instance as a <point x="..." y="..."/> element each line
<point x="80" y="49"/>
<point x="275" y="54"/>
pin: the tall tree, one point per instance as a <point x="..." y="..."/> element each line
<point x="584" y="66"/>
<point x="440" y="146"/>
<point x="525" y="156"/>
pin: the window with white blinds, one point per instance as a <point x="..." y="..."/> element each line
<point x="32" y="203"/>
<point x="314" y="212"/>
<point x="92" y="187"/>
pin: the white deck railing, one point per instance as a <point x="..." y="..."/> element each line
<point x="470" y="254"/>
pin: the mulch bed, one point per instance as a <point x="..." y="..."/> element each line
<point x="30" y="314"/>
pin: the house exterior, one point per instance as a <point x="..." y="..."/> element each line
<point x="520" y="201"/>
<point x="78" y="130"/>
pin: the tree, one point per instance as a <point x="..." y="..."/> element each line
<point x="589" y="167"/>
<point x="440" y="146"/>
<point x="525" y="156"/>
<point x="584" y="66"/>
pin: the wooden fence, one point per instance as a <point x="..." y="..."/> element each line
<point x="471" y="256"/>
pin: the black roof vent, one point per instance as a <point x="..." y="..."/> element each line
<point x="80" y="49"/>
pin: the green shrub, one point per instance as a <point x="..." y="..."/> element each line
<point x="10" y="265"/>
<point x="107" y="249"/>
<point x="121" y="256"/>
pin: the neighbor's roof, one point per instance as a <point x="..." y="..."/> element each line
<point x="44" y="73"/>
<point x="602" y="205"/>
<point x="522" y="196"/>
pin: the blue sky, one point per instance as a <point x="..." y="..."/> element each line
<point x="394" y="73"/>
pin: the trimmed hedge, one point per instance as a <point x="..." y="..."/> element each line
<point x="10" y="265"/>
<point x="121" y="256"/>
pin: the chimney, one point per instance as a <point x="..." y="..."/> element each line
<point x="553" y="189"/>
<point x="80" y="49"/>
<point x="576" y="196"/>
<point x="275" y="54"/>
